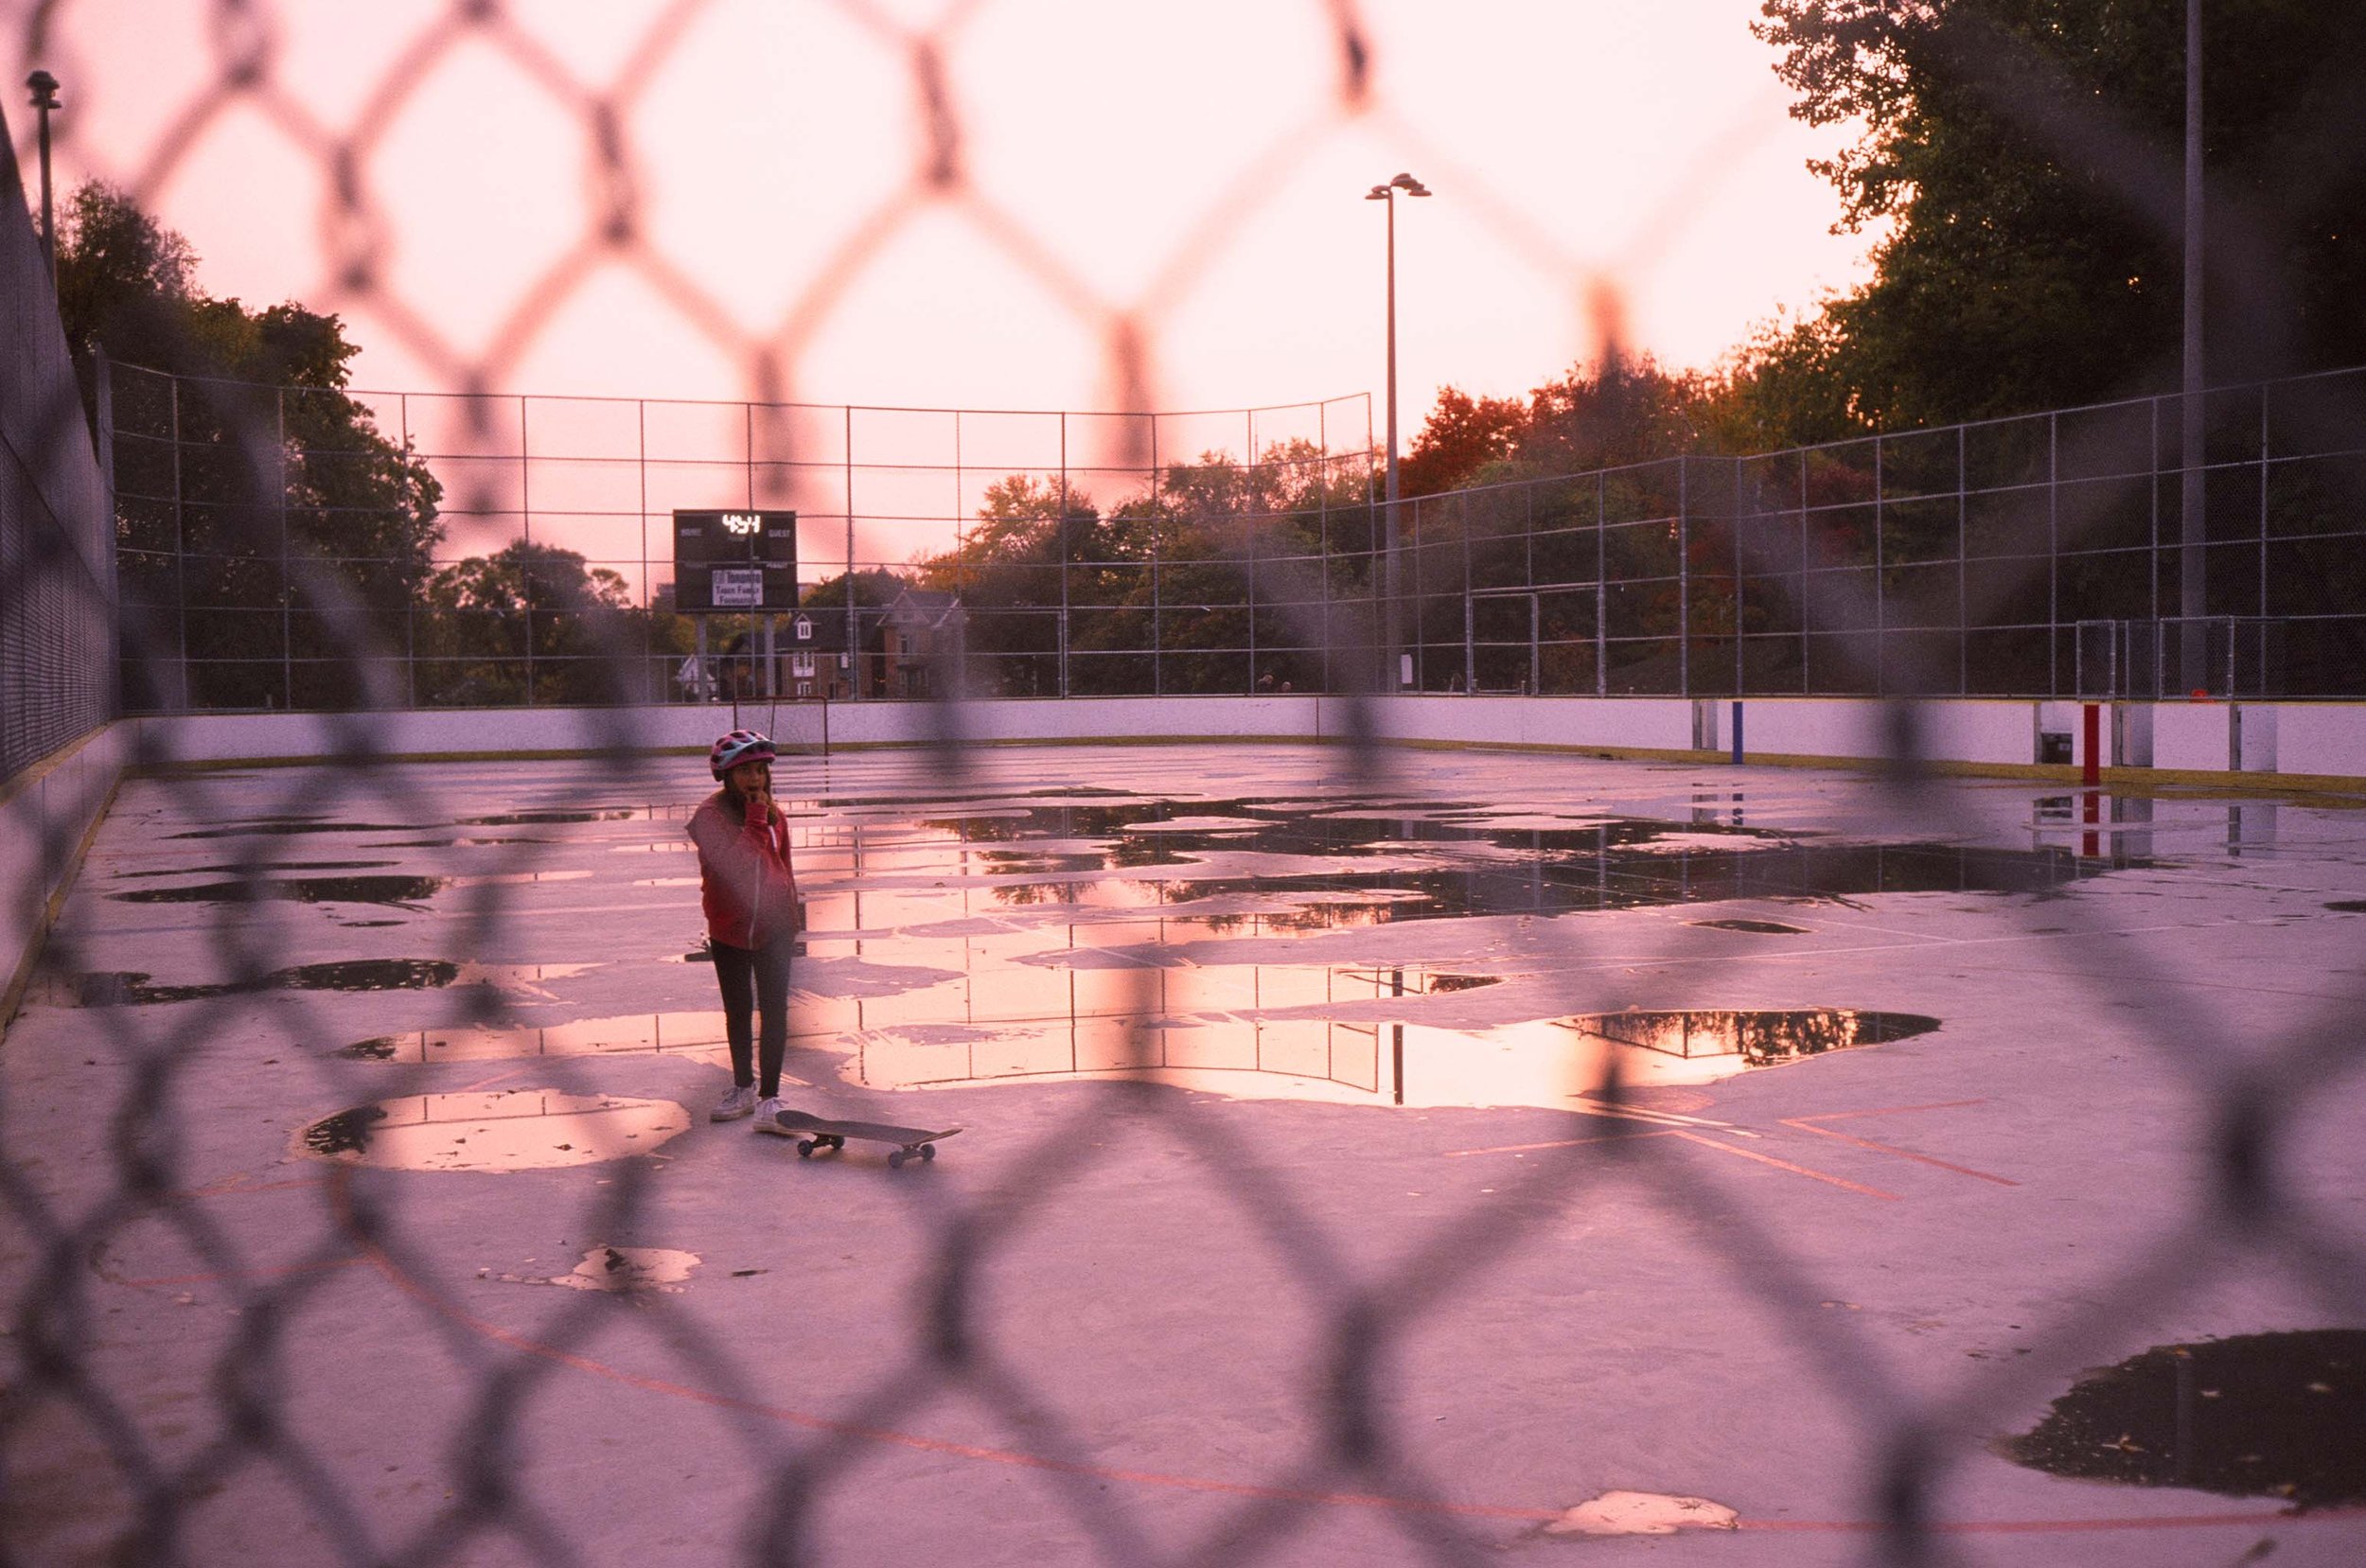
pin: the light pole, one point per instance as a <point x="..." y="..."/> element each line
<point x="1387" y="193"/>
<point x="2193" y="600"/>
<point x="44" y="88"/>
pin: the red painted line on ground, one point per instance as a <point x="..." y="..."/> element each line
<point x="1893" y="1110"/>
<point x="1803" y="1123"/>
<point x="237" y="1185"/>
<point x="1559" y="1143"/>
<point x="494" y="1332"/>
<point x="237" y="1276"/>
<point x="1781" y="1165"/>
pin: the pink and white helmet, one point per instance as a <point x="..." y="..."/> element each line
<point x="738" y="746"/>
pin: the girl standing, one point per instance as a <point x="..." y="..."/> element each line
<point x="750" y="895"/>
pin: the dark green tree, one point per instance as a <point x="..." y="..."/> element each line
<point x="2025" y="158"/>
<point x="267" y="529"/>
<point x="527" y="618"/>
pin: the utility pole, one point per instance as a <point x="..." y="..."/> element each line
<point x="1393" y="676"/>
<point x="2192" y="566"/>
<point x="44" y="88"/>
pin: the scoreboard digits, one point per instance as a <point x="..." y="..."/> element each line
<point x="734" y="560"/>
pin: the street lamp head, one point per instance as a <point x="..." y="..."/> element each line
<point x="44" y="88"/>
<point x="1378" y="193"/>
<point x="1408" y="184"/>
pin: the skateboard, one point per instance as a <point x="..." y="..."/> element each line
<point x="813" y="1132"/>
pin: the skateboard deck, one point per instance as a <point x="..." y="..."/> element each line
<point x="813" y="1132"/>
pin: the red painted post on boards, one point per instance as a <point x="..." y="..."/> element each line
<point x="2092" y="773"/>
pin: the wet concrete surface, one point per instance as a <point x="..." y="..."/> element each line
<point x="1235" y="1033"/>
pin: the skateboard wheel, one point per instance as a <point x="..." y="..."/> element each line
<point x="928" y="1151"/>
<point x="805" y="1148"/>
<point x="896" y="1159"/>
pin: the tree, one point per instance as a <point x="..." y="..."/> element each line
<point x="1460" y="438"/>
<point x="2025" y="155"/>
<point x="268" y="532"/>
<point x="526" y="613"/>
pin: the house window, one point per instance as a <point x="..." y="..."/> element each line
<point x="804" y="628"/>
<point x="801" y="662"/>
<point x="805" y="688"/>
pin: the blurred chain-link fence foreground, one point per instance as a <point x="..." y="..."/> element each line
<point x="324" y="1063"/>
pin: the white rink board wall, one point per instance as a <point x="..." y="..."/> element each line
<point x="47" y="814"/>
<point x="2302" y="739"/>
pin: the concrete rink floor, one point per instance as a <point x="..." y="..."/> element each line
<point x="541" y="1310"/>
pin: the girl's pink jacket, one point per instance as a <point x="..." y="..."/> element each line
<point x="745" y="881"/>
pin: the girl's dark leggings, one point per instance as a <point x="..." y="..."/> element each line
<point x="754" y="980"/>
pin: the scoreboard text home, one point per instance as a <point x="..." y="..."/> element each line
<point x="734" y="560"/>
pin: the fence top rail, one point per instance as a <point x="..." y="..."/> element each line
<point x="369" y="393"/>
<point x="1874" y="438"/>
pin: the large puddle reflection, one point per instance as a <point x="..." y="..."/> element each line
<point x="1542" y="1062"/>
<point x="1332" y="1032"/>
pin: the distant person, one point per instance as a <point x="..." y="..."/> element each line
<point x="749" y="891"/>
<point x="738" y="669"/>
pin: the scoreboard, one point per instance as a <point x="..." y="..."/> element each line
<point x="734" y="560"/>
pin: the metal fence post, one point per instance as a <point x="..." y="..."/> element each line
<point x="853" y="635"/>
<point x="1602" y="591"/>
<point x="1735" y="524"/>
<point x="180" y="564"/>
<point x="1684" y="575"/>
<point x="526" y="521"/>
<point x="1060" y="541"/>
<point x="287" y="597"/>
<point x="2054" y="555"/>
<point x="1963" y="570"/>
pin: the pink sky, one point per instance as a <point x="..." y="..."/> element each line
<point x="1193" y="165"/>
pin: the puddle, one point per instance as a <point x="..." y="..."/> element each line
<point x="132" y="988"/>
<point x="262" y="866"/>
<point x="449" y="843"/>
<point x="407" y="893"/>
<point x="504" y="1130"/>
<point x="1306" y="1033"/>
<point x="1756" y="927"/>
<point x="617" y="1270"/>
<point x="1758" y="1038"/>
<point x="629" y="1035"/>
<point x="2273" y="1414"/>
<point x="281" y="827"/>
<point x="507" y="879"/>
<point x="1427" y="860"/>
<point x="528" y="819"/>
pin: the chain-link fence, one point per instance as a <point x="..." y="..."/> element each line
<point x="1687" y="577"/>
<point x="57" y="567"/>
<point x="129" y="1432"/>
<point x="1076" y="553"/>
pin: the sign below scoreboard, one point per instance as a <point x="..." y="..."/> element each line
<point x="735" y="587"/>
<point x="734" y="560"/>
